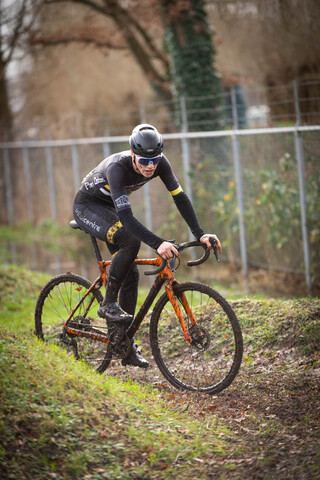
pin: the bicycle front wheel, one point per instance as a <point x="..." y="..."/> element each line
<point x="57" y="300"/>
<point x="212" y="360"/>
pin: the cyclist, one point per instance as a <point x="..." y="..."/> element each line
<point x="102" y="208"/>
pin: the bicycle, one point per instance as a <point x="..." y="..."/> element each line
<point x="195" y="336"/>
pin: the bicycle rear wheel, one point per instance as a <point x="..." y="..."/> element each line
<point x="58" y="298"/>
<point x="212" y="360"/>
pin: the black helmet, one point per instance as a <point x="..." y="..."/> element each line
<point x="146" y="141"/>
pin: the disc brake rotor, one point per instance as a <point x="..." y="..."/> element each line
<point x="200" y="337"/>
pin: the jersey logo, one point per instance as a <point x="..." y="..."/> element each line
<point x="88" y="185"/>
<point x="98" y="180"/>
<point x="122" y="202"/>
<point x="133" y="188"/>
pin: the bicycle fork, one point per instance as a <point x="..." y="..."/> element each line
<point x="173" y="299"/>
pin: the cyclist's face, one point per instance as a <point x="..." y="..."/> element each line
<point x="147" y="171"/>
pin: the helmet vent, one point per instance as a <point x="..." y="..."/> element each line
<point x="146" y="128"/>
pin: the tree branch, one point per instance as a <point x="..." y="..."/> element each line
<point x="20" y="28"/>
<point x="123" y="19"/>
<point x="148" y="40"/>
<point x="132" y="32"/>
<point x="84" y="35"/>
<point x="91" y="4"/>
<point x="16" y="32"/>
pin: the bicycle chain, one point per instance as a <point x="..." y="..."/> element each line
<point x="121" y="343"/>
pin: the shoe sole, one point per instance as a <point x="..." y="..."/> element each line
<point x="114" y="319"/>
<point x="132" y="365"/>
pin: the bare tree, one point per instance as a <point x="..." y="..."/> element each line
<point x="16" y="20"/>
<point x="131" y="33"/>
<point x="142" y="27"/>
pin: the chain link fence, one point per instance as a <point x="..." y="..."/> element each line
<point x="257" y="188"/>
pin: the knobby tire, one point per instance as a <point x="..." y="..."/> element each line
<point x="56" y="301"/>
<point x="210" y="363"/>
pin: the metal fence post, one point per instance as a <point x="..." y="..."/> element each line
<point x="239" y="189"/>
<point x="146" y="187"/>
<point x="302" y="192"/>
<point x="9" y="196"/>
<point x="52" y="194"/>
<point x="106" y="146"/>
<point x="185" y="145"/>
<point x="75" y="167"/>
<point x="26" y="166"/>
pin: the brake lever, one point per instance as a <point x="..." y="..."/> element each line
<point x="213" y="242"/>
<point x="172" y="262"/>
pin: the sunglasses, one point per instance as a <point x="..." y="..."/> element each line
<point x="145" y="161"/>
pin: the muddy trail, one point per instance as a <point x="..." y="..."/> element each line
<point x="272" y="409"/>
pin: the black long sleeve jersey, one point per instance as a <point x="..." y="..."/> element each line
<point x="114" y="179"/>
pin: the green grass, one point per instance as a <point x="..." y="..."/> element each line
<point x="281" y="322"/>
<point x="59" y="419"/>
<point x="18" y="294"/>
<point x="48" y="239"/>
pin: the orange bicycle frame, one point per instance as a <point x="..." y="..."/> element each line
<point x="164" y="277"/>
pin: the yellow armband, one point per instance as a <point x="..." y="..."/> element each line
<point x="176" y="191"/>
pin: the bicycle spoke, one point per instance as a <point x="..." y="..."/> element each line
<point x="58" y="299"/>
<point x="212" y="359"/>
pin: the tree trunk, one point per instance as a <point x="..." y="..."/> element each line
<point x="5" y="111"/>
<point x="191" y="50"/>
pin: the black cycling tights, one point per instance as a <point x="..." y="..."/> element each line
<point x="101" y="220"/>
<point x="125" y="251"/>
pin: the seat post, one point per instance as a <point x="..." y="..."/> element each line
<point x="96" y="248"/>
<point x="75" y="226"/>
